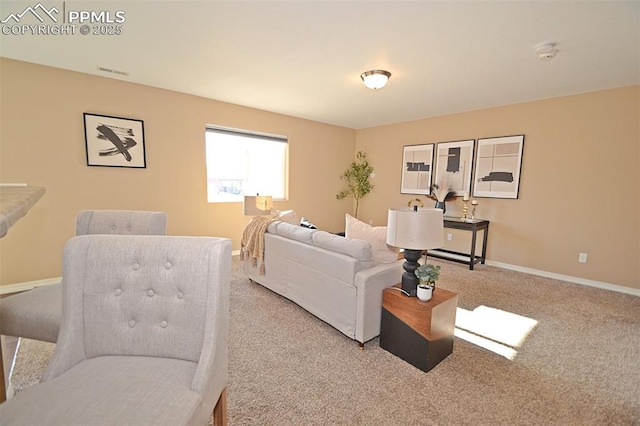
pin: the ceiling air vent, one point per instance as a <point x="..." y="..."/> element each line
<point x="110" y="71"/>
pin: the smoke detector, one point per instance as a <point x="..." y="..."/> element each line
<point x="546" y="51"/>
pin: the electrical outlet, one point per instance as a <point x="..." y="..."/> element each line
<point x="582" y="258"/>
<point x="449" y="236"/>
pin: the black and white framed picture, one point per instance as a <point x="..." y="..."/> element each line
<point x="417" y="168"/>
<point x="114" y="141"/>
<point x="498" y="165"/>
<point x="454" y="163"/>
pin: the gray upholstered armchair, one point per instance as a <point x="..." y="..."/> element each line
<point x="35" y="314"/>
<point x="143" y="338"/>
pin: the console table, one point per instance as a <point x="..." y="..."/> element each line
<point x="420" y="333"/>
<point x="473" y="225"/>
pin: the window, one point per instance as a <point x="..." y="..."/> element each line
<point x="241" y="162"/>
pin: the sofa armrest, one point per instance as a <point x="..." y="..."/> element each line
<point x="369" y="285"/>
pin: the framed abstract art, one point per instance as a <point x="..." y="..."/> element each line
<point x="114" y="141"/>
<point x="417" y="169"/>
<point x="498" y="166"/>
<point x="454" y="162"/>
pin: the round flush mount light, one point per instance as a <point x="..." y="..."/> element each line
<point x="546" y="51"/>
<point x="375" y="79"/>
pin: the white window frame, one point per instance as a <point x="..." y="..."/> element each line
<point x="251" y="157"/>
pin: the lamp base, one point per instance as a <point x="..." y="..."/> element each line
<point x="409" y="279"/>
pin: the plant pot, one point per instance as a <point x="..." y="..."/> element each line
<point x="424" y="292"/>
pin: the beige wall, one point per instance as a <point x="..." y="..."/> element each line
<point x="42" y="143"/>
<point x="579" y="188"/>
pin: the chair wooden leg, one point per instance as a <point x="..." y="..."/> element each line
<point x="3" y="388"/>
<point x="8" y="350"/>
<point x="220" y="410"/>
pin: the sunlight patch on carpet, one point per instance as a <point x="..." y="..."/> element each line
<point x="496" y="330"/>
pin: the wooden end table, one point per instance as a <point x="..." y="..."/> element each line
<point x="420" y="333"/>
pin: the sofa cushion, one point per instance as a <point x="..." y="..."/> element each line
<point x="358" y="249"/>
<point x="272" y="228"/>
<point x="375" y="235"/>
<point x="295" y="232"/>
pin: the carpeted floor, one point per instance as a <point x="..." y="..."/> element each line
<point x="579" y="364"/>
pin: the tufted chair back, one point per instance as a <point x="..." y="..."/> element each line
<point x="155" y="296"/>
<point x="125" y="222"/>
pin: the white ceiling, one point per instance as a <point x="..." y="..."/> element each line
<point x="304" y="58"/>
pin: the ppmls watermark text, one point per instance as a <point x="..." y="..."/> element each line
<point x="56" y="19"/>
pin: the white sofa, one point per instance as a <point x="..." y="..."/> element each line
<point x="334" y="278"/>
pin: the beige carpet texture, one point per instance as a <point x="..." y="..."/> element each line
<point x="528" y="351"/>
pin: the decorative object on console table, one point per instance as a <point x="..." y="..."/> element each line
<point x="414" y="230"/>
<point x="441" y="192"/>
<point x="420" y="333"/>
<point x="474" y="203"/>
<point x="465" y="208"/>
<point x="415" y="202"/>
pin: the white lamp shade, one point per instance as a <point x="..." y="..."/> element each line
<point x="422" y="229"/>
<point x="258" y="205"/>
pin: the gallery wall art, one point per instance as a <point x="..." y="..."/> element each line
<point x="417" y="169"/>
<point x="454" y="163"/>
<point x="498" y="166"/>
<point x="114" y="141"/>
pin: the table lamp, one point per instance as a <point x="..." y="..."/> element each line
<point x="414" y="230"/>
<point x="258" y="205"/>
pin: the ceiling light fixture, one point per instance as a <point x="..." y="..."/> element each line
<point x="375" y="79"/>
<point x="546" y="51"/>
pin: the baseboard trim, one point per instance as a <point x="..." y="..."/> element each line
<point x="568" y="278"/>
<point x="27" y="285"/>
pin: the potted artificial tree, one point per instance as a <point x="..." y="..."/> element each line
<point x="357" y="177"/>
<point x="428" y="274"/>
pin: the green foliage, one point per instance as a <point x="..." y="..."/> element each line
<point x="357" y="179"/>
<point x="428" y="274"/>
